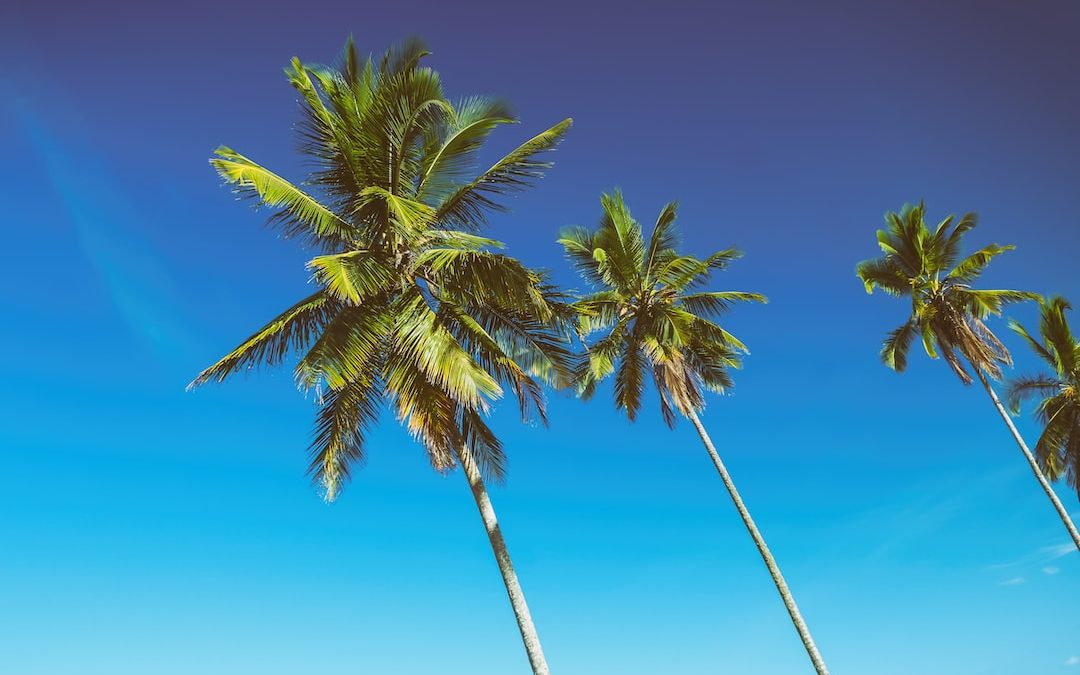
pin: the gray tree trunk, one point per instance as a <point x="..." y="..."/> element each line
<point x="506" y="567"/>
<point x="1039" y="475"/>
<point x="766" y="555"/>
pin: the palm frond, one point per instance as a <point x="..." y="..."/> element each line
<point x="1023" y="387"/>
<point x="353" y="276"/>
<point x="297" y="213"/>
<point x="714" y="303"/>
<point x="1055" y="331"/>
<point x="884" y="274"/>
<point x="290" y="332"/>
<point x="467" y="206"/>
<point x="347" y="348"/>
<point x="664" y="238"/>
<point x="338" y="445"/>
<point x="895" y="348"/>
<point x="972" y="266"/>
<point x="630" y="379"/>
<point x="1035" y="345"/>
<point x="453" y="145"/>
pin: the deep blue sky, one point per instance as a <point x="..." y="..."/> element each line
<point x="148" y="530"/>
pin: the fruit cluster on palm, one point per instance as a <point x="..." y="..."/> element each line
<point x="949" y="316"/>
<point x="413" y="310"/>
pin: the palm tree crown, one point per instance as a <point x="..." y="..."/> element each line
<point x="1058" y="408"/>
<point x="946" y="312"/>
<point x="656" y="320"/>
<point x="413" y="308"/>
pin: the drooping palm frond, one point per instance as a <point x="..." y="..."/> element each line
<point x="338" y="443"/>
<point x="289" y="333"/>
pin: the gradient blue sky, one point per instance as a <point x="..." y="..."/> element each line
<point x="147" y="530"/>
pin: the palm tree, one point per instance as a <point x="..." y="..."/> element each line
<point x="1058" y="409"/>
<point x="656" y="321"/>
<point x="413" y="309"/>
<point x="946" y="312"/>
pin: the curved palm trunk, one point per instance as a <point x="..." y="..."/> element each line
<point x="766" y="555"/>
<point x="1039" y="475"/>
<point x="506" y="567"/>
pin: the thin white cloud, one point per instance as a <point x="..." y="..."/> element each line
<point x="1015" y="581"/>
<point x="1042" y="556"/>
<point x="1051" y="569"/>
<point x="1072" y="661"/>
<point x="1059" y="550"/>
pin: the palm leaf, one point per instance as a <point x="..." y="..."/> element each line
<point x="290" y="332"/>
<point x="468" y="205"/>
<point x="298" y="213"/>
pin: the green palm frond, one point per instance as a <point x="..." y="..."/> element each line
<point x="1023" y="387"/>
<point x="353" y="276"/>
<point x="469" y="275"/>
<point x="453" y="145"/>
<point x="344" y="415"/>
<point x="1058" y="337"/>
<point x="580" y="246"/>
<point x="288" y="333"/>
<point x="679" y="273"/>
<point x="630" y="378"/>
<point x="664" y="238"/>
<point x="1035" y="345"/>
<point x="883" y="274"/>
<point x="895" y="348"/>
<point x="715" y="303"/>
<point x="346" y="348"/>
<point x="468" y="205"/>
<point x="297" y="213"/>
<point x="485" y="447"/>
<point x="972" y="266"/>
<point x="421" y="338"/>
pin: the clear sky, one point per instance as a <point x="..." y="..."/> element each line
<point x="148" y="530"/>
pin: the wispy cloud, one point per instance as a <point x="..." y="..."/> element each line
<point x="1040" y="557"/>
<point x="1072" y="661"/>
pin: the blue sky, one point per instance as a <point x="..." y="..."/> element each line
<point x="146" y="529"/>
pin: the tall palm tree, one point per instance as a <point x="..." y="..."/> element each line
<point x="946" y="312"/>
<point x="655" y="320"/>
<point x="413" y="309"/>
<point x="1058" y="408"/>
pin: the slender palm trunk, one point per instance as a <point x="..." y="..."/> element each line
<point x="766" y="555"/>
<point x="1039" y="475"/>
<point x="506" y="567"/>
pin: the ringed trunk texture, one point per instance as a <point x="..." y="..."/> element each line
<point x="506" y="567"/>
<point x="766" y="555"/>
<point x="1039" y="475"/>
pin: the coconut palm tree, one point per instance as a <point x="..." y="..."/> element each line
<point x="947" y="314"/>
<point x="413" y="310"/>
<point x="1058" y="408"/>
<point x="655" y="320"/>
